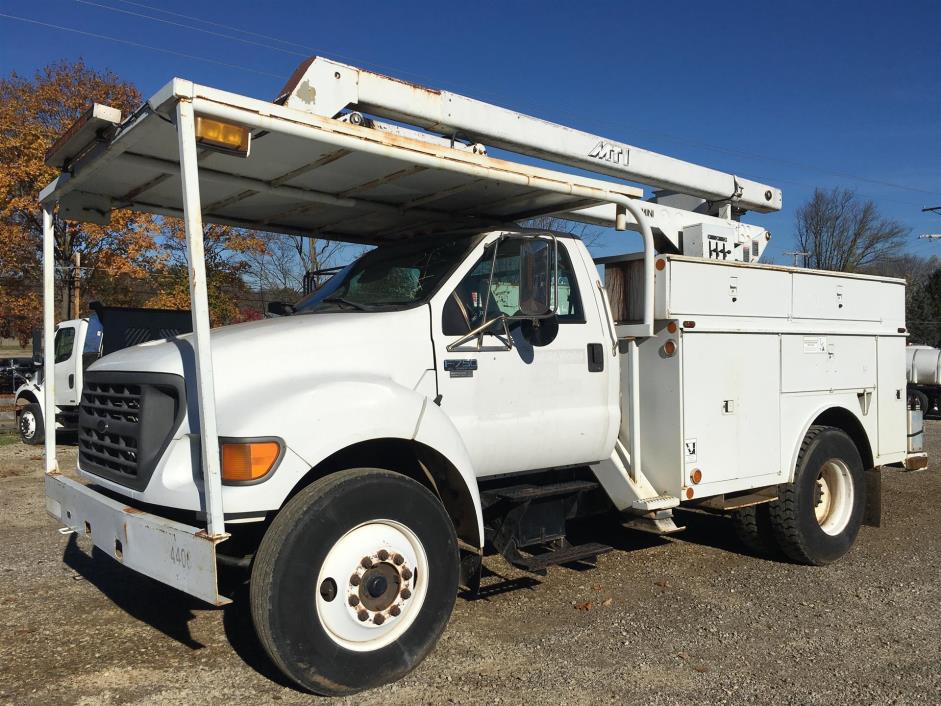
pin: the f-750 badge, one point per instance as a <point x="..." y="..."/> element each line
<point x="610" y="152"/>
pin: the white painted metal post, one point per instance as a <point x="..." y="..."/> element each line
<point x="205" y="388"/>
<point x="48" y="332"/>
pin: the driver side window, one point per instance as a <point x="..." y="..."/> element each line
<point x="468" y="306"/>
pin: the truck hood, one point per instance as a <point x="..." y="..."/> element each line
<point x="261" y="356"/>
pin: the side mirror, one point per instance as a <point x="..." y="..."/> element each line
<point x="37" y="348"/>
<point x="539" y="277"/>
<point x="280" y="309"/>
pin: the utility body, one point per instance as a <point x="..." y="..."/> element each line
<point x="469" y="384"/>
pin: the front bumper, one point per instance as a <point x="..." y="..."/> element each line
<point x="170" y="552"/>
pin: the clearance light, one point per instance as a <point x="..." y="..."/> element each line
<point x="217" y="135"/>
<point x="669" y="348"/>
<point x="248" y="461"/>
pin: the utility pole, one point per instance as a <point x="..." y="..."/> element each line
<point x="796" y="254"/>
<point x="76" y="284"/>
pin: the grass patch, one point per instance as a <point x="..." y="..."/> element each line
<point x="9" y="438"/>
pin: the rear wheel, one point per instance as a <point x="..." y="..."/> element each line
<point x="922" y="402"/>
<point x="30" y="424"/>
<point x="354" y="581"/>
<point x="753" y="528"/>
<point x="817" y="517"/>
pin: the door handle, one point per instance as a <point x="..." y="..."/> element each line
<point x="595" y="357"/>
<point x="71" y="380"/>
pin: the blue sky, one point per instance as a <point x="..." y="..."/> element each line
<point x="792" y="94"/>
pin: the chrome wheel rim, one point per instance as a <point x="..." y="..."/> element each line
<point x="27" y="425"/>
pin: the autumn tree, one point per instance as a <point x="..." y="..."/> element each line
<point x="229" y="253"/>
<point x="116" y="258"/>
<point x="841" y="232"/>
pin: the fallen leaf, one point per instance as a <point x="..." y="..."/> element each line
<point x="662" y="583"/>
<point x="583" y="606"/>
<point x="682" y="655"/>
<point x="607" y="602"/>
<point x="701" y="669"/>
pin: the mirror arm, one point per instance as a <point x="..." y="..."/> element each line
<point x="478" y="333"/>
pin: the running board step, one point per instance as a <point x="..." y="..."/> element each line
<point x="537" y="563"/>
<point x="657" y="522"/>
<point x="658" y="502"/>
<point x="523" y="493"/>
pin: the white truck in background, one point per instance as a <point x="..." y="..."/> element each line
<point x="467" y="386"/>
<point x="77" y="344"/>
<point x="923" y="366"/>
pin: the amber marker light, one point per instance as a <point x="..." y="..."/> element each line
<point x="246" y="461"/>
<point x="669" y="348"/>
<point x="222" y="136"/>
<point x="671" y="327"/>
<point x="695" y="476"/>
<point x="661" y="264"/>
<point x="689" y="493"/>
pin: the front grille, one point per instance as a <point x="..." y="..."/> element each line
<point x="100" y="442"/>
<point x="126" y="420"/>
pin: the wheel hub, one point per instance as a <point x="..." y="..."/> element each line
<point x="372" y="585"/>
<point x="27" y="424"/>
<point x="833" y="496"/>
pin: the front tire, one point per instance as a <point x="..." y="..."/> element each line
<point x="817" y="517"/>
<point x="354" y="581"/>
<point x="30" y="425"/>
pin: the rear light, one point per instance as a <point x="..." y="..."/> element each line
<point x="247" y="461"/>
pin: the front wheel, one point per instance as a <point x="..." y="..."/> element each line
<point x="30" y="424"/>
<point x="817" y="517"/>
<point x="354" y="581"/>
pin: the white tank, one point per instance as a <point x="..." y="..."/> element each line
<point x="923" y="364"/>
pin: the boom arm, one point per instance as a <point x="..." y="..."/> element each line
<point x="327" y="87"/>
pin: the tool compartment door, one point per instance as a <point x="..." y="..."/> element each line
<point x="891" y="395"/>
<point x="731" y="409"/>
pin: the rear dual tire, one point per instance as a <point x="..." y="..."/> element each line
<point x="815" y="519"/>
<point x="354" y="581"/>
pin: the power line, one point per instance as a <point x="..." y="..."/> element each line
<point x="137" y="44"/>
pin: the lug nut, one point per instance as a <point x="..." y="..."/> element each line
<point x="379" y="619"/>
<point x="406" y="594"/>
<point x="354" y="601"/>
<point x="406" y="573"/>
<point x="355" y="579"/>
<point x="394" y="611"/>
<point x="363" y="616"/>
<point x="383" y="555"/>
<point x="398" y="559"/>
<point x="366" y="562"/>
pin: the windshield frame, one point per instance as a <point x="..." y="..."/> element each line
<point x="330" y="287"/>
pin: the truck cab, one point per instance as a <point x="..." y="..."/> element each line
<point x="76" y="340"/>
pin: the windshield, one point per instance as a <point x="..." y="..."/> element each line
<point x="392" y="276"/>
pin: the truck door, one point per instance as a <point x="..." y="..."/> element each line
<point x="67" y="349"/>
<point x="532" y="406"/>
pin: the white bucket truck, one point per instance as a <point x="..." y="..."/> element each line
<point x="76" y="344"/>
<point x="465" y="384"/>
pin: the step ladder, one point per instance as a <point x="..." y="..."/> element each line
<point x="526" y="523"/>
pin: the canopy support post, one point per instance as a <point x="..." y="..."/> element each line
<point x="48" y="345"/>
<point x="205" y="387"/>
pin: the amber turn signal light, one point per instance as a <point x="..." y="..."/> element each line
<point x="248" y="461"/>
<point x="222" y="136"/>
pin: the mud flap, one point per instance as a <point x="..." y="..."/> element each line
<point x="872" y="513"/>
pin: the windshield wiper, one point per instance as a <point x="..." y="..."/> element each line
<point x="341" y="300"/>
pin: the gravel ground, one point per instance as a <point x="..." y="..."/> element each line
<point x="688" y="619"/>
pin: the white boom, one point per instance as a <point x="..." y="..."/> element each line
<point x="326" y="87"/>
